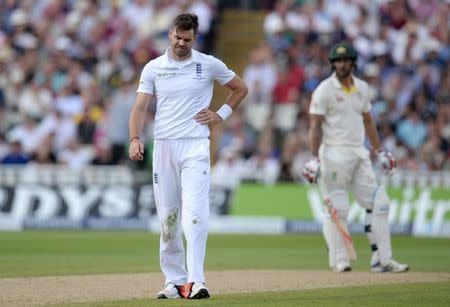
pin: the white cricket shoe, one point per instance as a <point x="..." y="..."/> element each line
<point x="170" y="291"/>
<point x="196" y="290"/>
<point x="342" y="267"/>
<point x="393" y="267"/>
<point x="375" y="260"/>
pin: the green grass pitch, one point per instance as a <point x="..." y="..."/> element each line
<point x="419" y="294"/>
<point x="45" y="253"/>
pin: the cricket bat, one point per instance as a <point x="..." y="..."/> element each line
<point x="342" y="228"/>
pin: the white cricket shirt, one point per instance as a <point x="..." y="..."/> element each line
<point x="343" y="123"/>
<point x="182" y="89"/>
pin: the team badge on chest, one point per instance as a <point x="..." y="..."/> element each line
<point x="198" y="71"/>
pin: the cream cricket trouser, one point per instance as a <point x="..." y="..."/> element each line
<point x="346" y="169"/>
<point x="181" y="180"/>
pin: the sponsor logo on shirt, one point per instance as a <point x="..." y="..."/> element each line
<point x="155" y="178"/>
<point x="166" y="75"/>
<point x="339" y="99"/>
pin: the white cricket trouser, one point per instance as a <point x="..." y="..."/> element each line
<point x="181" y="180"/>
<point x="344" y="169"/>
<point x="350" y="169"/>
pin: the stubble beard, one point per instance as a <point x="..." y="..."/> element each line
<point x="181" y="52"/>
<point x="343" y="74"/>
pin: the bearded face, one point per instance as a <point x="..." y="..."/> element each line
<point x="181" y="42"/>
<point x="343" y="68"/>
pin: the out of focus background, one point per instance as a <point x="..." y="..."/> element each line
<point x="68" y="77"/>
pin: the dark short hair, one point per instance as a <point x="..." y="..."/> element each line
<point x="186" y="22"/>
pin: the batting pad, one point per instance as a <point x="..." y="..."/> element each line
<point x="380" y="224"/>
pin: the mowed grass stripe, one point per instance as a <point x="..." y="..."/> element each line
<point x="46" y="253"/>
<point x="434" y="294"/>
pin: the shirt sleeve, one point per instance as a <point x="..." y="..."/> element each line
<point x="318" y="102"/>
<point x="220" y="72"/>
<point x="146" y="83"/>
<point x="367" y="103"/>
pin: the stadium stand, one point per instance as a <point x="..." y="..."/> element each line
<point x="68" y="72"/>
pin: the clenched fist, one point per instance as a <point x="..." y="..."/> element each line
<point x="136" y="150"/>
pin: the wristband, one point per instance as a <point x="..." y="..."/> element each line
<point x="224" y="112"/>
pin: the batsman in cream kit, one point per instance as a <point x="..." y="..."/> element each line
<point x="340" y="120"/>
<point x="181" y="82"/>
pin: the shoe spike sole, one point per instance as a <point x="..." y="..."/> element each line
<point x="202" y="293"/>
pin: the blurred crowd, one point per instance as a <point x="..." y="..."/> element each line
<point x="403" y="53"/>
<point x="69" y="72"/>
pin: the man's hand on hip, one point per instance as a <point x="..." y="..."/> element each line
<point x="311" y="170"/>
<point x="207" y="117"/>
<point x="136" y="150"/>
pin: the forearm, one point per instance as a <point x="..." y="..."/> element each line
<point x="137" y="115"/>
<point x="238" y="92"/>
<point x="136" y="122"/>
<point x="236" y="96"/>
<point x="315" y="133"/>
<point x="372" y="133"/>
<point x="315" y="139"/>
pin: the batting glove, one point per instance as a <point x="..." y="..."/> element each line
<point x="387" y="160"/>
<point x="311" y="170"/>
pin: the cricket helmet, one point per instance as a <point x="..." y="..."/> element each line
<point x="342" y="50"/>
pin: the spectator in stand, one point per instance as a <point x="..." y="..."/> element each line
<point x="432" y="153"/>
<point x="3" y="146"/>
<point x="138" y="11"/>
<point x="27" y="134"/>
<point x="44" y="154"/>
<point x="286" y="97"/>
<point x="86" y="126"/>
<point x="15" y="154"/>
<point x="276" y="27"/>
<point x="204" y="10"/>
<point x="227" y="172"/>
<point x="103" y="155"/>
<point x="237" y="134"/>
<point x="260" y="76"/>
<point x="63" y="128"/>
<point x="412" y="131"/>
<point x="117" y="117"/>
<point x="290" y="148"/>
<point x="35" y="100"/>
<point x="263" y="167"/>
<point x="74" y="156"/>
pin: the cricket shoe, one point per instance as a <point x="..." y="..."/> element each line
<point x="195" y="291"/>
<point x="342" y="267"/>
<point x="392" y="267"/>
<point x="171" y="291"/>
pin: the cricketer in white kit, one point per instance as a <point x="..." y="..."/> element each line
<point x="340" y="120"/>
<point x="181" y="82"/>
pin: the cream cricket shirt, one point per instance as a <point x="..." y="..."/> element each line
<point x="343" y="124"/>
<point x="182" y="89"/>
